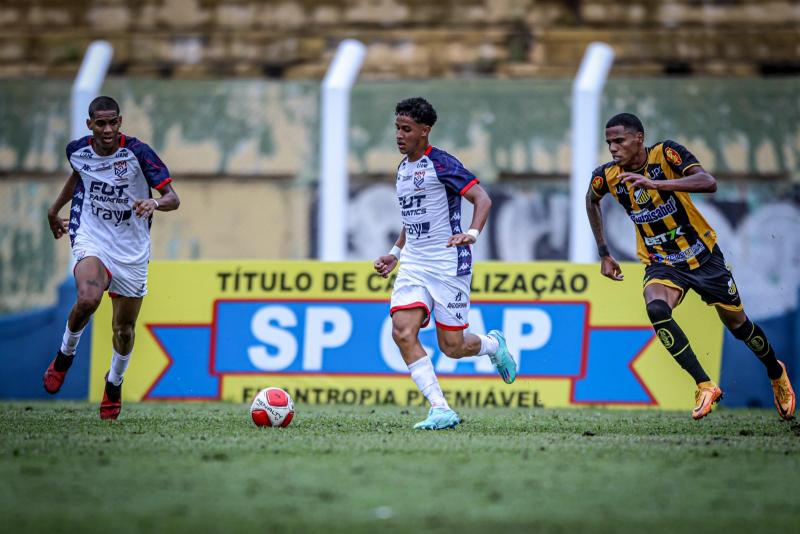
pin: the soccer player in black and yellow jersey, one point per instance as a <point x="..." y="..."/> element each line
<point x="679" y="248"/>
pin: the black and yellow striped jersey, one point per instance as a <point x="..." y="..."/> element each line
<point x="670" y="230"/>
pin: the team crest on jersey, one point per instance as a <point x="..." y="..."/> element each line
<point x="597" y="183"/>
<point x="673" y="156"/>
<point x="641" y="196"/>
<point x="419" y="178"/>
<point x="120" y="168"/>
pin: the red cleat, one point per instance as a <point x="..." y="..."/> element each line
<point x="56" y="372"/>
<point x="111" y="404"/>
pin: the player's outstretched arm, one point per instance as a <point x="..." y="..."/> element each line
<point x="169" y="201"/>
<point x="483" y="204"/>
<point x="386" y="263"/>
<point x="696" y="180"/>
<point x="608" y="265"/>
<point x="59" y="225"/>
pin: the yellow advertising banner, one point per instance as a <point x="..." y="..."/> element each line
<point x="321" y="331"/>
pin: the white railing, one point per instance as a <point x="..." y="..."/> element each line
<point x="334" y="128"/>
<point x="587" y="91"/>
<point x="87" y="85"/>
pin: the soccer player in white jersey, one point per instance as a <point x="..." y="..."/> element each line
<point x="436" y="267"/>
<point x="109" y="228"/>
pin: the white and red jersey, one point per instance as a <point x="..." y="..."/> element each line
<point x="102" y="215"/>
<point x="429" y="191"/>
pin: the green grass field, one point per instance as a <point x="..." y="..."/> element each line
<point x="205" y="468"/>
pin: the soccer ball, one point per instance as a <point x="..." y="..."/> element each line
<point x="272" y="407"/>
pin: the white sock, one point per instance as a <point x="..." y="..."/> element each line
<point x="70" y="341"/>
<point x="489" y="345"/>
<point x="118" y="365"/>
<point x="424" y="376"/>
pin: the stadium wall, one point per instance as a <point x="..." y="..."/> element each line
<point x="501" y="128"/>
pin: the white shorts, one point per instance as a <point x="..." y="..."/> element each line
<point x="447" y="297"/>
<point x="124" y="280"/>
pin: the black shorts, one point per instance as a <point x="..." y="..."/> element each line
<point x="713" y="281"/>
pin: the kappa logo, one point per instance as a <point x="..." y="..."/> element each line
<point x="120" y="168"/>
<point x="456" y="217"/>
<point x="86" y="167"/>
<point x="672" y="156"/>
<point x="122" y="153"/>
<point x="464" y="253"/>
<point x="459" y="317"/>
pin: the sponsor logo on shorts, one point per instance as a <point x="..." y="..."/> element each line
<point x="673" y="156"/>
<point x="663" y="238"/>
<point x="731" y="287"/>
<point x="666" y="338"/>
<point x="681" y="256"/>
<point x="648" y="216"/>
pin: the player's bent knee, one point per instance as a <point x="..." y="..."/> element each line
<point x="403" y="335"/>
<point x="658" y="311"/>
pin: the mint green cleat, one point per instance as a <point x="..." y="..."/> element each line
<point x="439" y="419"/>
<point x="502" y="359"/>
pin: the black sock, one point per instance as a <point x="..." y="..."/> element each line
<point x="756" y="340"/>
<point x="674" y="340"/>
<point x="63" y="362"/>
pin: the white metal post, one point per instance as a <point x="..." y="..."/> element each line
<point x="586" y="92"/>
<point x="87" y="84"/>
<point x="335" y="125"/>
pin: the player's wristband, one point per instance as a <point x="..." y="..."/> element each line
<point x="474" y="232"/>
<point x="602" y="251"/>
<point x="156" y="201"/>
<point x="395" y="252"/>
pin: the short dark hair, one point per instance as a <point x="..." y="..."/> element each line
<point x="103" y="103"/>
<point x="418" y="109"/>
<point x="629" y="121"/>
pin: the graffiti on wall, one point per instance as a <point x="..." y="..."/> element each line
<point x="757" y="233"/>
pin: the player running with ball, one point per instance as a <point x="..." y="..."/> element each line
<point x="436" y="268"/>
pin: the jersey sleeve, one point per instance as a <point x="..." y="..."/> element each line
<point x="678" y="157"/>
<point x="73" y="147"/>
<point x="599" y="184"/>
<point x="453" y="175"/>
<point x="155" y="171"/>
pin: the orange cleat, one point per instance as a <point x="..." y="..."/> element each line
<point x="111" y="404"/>
<point x="784" y="395"/>
<point x="56" y="372"/>
<point x="707" y="394"/>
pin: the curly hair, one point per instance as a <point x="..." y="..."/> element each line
<point x="419" y="109"/>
